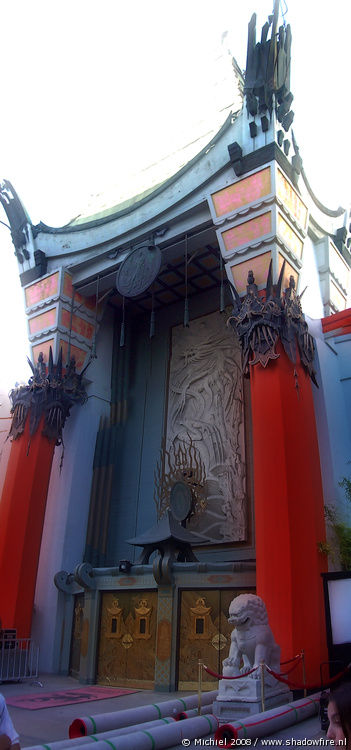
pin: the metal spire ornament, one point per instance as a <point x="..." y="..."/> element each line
<point x="186" y="301"/>
<point x="49" y="396"/>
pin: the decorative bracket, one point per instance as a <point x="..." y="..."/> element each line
<point x="84" y="576"/>
<point x="260" y="321"/>
<point x="50" y="394"/>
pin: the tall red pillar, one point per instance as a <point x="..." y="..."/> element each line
<point x="22" y="511"/>
<point x="289" y="511"/>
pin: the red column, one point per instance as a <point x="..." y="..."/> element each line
<point x="289" y="510"/>
<point x="22" y="511"/>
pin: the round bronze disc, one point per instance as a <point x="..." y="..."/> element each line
<point x="138" y="271"/>
<point x="180" y="501"/>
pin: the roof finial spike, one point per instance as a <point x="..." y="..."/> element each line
<point x="59" y="365"/>
<point x="50" y="364"/>
<point x="269" y="284"/>
<point x="235" y="294"/>
<point x="280" y="280"/>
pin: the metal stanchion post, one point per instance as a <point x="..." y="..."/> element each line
<point x="199" y="688"/>
<point x="303" y="671"/>
<point x="262" y="667"/>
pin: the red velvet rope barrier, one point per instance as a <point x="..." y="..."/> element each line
<point x="298" y="656"/>
<point x="284" y="674"/>
<point x="238" y="677"/>
<point x="279" y="677"/>
<point x="295" y="686"/>
<point x="225" y="677"/>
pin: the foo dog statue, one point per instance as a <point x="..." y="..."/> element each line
<point x="252" y="642"/>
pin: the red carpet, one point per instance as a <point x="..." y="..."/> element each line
<point x="34" y="701"/>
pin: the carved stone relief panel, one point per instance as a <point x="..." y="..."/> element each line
<point x="206" y="410"/>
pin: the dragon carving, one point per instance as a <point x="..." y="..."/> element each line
<point x="261" y="319"/>
<point x="49" y="395"/>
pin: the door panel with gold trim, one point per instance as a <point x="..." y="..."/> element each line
<point x="126" y="654"/>
<point x="204" y="634"/>
<point x="74" y="661"/>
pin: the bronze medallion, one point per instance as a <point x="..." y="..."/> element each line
<point x="138" y="271"/>
<point x="219" y="641"/>
<point x="127" y="640"/>
<point x="181" y="500"/>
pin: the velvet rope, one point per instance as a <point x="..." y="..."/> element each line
<point x="225" y="677"/>
<point x="279" y="677"/>
<point x="298" y="656"/>
<point x="295" y="686"/>
<point x="284" y="674"/>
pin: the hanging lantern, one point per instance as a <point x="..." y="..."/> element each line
<point x="186" y="301"/>
<point x="152" y="319"/>
<point x="122" y="336"/>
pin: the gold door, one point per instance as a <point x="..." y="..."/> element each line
<point x="126" y="655"/>
<point x="74" y="662"/>
<point x="204" y="634"/>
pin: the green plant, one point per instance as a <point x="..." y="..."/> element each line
<point x="325" y="548"/>
<point x="341" y="530"/>
<point x="346" y="484"/>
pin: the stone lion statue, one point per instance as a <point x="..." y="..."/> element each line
<point x="252" y="642"/>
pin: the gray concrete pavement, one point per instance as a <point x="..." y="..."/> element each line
<point x="41" y="726"/>
<point x="48" y="724"/>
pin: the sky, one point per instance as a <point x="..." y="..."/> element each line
<point x="94" y="91"/>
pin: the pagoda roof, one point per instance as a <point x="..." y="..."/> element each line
<point x="167" y="528"/>
<point x="189" y="146"/>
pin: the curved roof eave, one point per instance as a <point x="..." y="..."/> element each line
<point x="126" y="206"/>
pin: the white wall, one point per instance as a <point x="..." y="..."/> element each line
<point x="67" y="510"/>
<point x="312" y="303"/>
<point x="5" y="445"/>
<point x="332" y="408"/>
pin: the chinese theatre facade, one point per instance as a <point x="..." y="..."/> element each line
<point x="189" y="362"/>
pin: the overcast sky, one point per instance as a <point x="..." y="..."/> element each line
<point x="91" y="91"/>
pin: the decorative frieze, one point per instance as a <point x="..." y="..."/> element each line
<point x="260" y="218"/>
<point x="61" y="318"/>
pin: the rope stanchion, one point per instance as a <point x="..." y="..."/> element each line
<point x="262" y="667"/>
<point x="227" y="677"/>
<point x="199" y="688"/>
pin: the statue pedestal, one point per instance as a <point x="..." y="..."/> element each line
<point x="243" y="698"/>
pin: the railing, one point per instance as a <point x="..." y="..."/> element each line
<point x="19" y="659"/>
